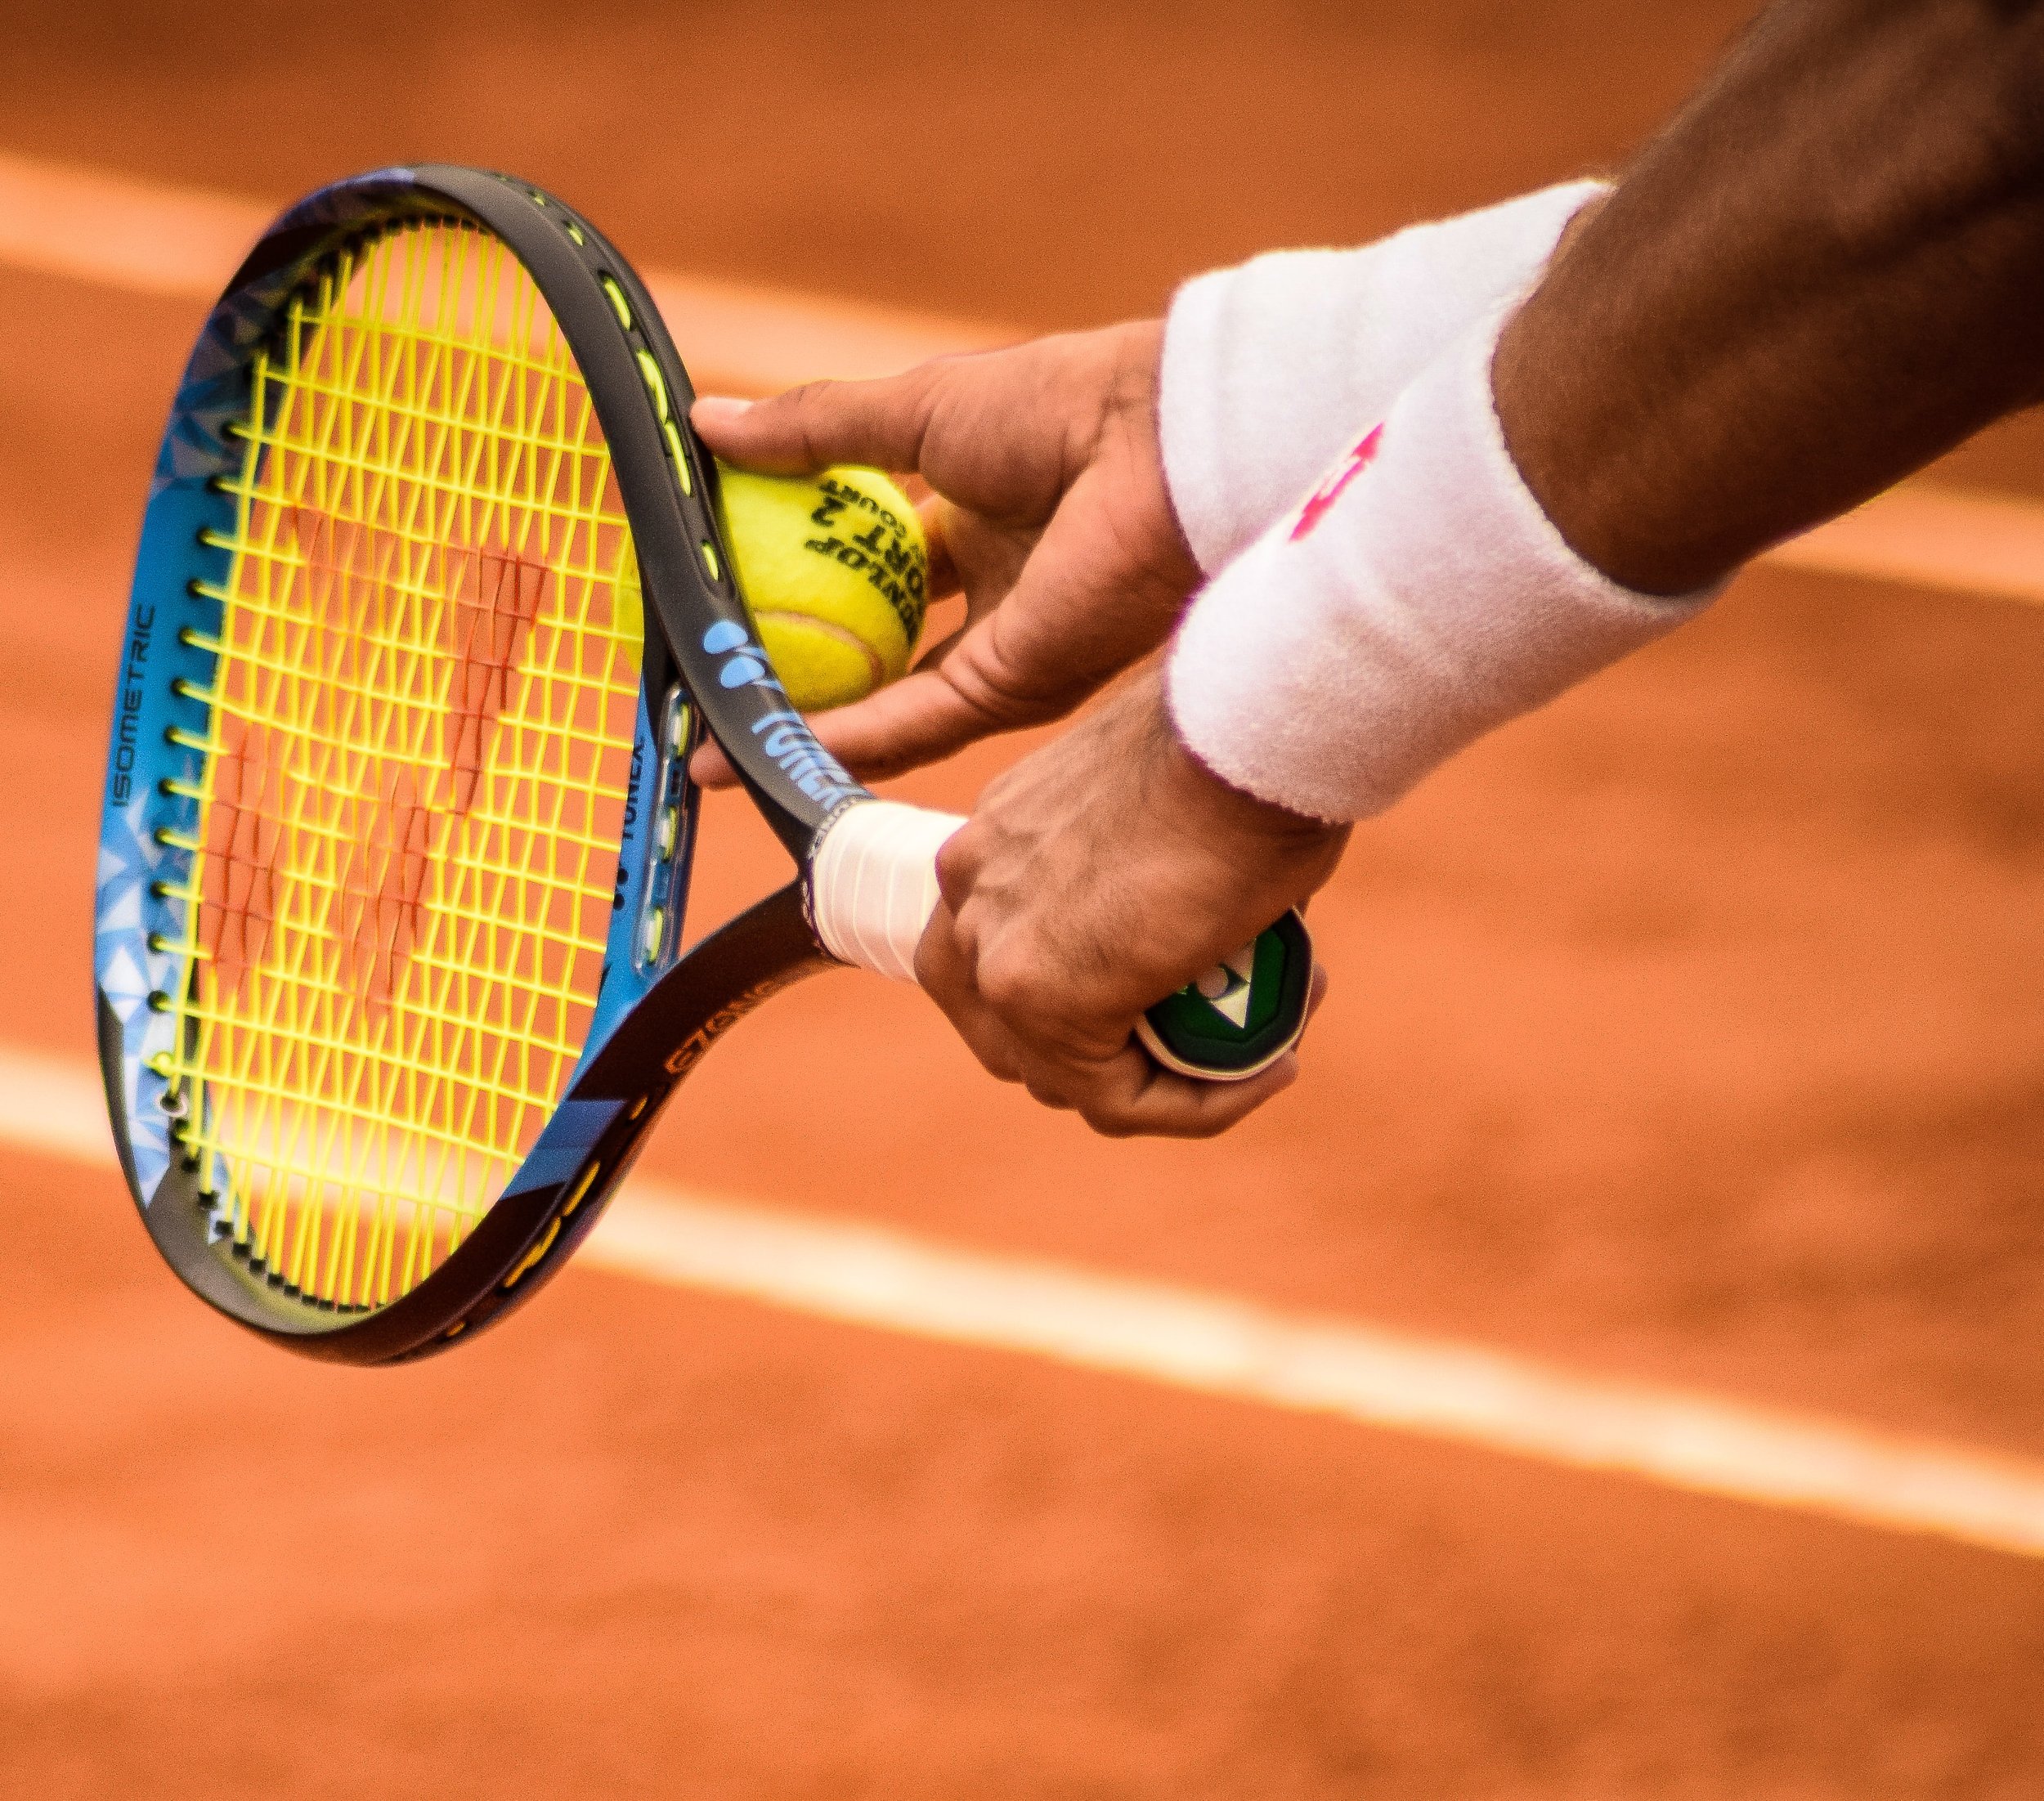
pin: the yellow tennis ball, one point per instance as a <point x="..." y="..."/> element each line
<point x="835" y="570"/>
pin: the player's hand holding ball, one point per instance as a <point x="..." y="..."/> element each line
<point x="1049" y="512"/>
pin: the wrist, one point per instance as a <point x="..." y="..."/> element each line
<point x="1135" y="405"/>
<point x="1214" y="805"/>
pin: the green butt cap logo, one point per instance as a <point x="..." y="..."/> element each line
<point x="1243" y="1014"/>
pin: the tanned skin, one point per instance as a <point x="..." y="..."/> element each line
<point x="1827" y="269"/>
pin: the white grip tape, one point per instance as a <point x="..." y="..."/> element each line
<point x="873" y="883"/>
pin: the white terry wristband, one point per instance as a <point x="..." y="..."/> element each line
<point x="1419" y="598"/>
<point x="1270" y="368"/>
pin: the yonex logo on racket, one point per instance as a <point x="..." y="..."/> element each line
<point x="749" y="663"/>
<point x="784" y="733"/>
<point x="786" y="738"/>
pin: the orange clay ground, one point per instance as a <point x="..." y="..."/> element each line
<point x="1689" y="1032"/>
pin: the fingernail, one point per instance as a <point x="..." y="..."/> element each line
<point x="718" y="410"/>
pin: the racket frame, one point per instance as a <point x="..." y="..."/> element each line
<point x="698" y="631"/>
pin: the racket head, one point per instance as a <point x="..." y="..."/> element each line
<point x="397" y="820"/>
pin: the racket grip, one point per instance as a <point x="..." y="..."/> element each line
<point x="873" y="886"/>
<point x="873" y="883"/>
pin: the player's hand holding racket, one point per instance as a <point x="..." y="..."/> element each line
<point x="1098" y="872"/>
<point x="1049" y="512"/>
<point x="433" y="607"/>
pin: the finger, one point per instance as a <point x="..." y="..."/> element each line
<point x="934" y="654"/>
<point x="926" y="716"/>
<point x="921" y="719"/>
<point x="1129" y="1097"/>
<point x="710" y="767"/>
<point x="1052" y="615"/>
<point x="944" y="970"/>
<point x="1122" y="1095"/>
<point x="994" y="674"/>
<point x="1317" y="991"/>
<point x="935" y="512"/>
<point x="822" y="422"/>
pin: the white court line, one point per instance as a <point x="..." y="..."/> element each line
<point x="115" y="230"/>
<point x="1219" y="1344"/>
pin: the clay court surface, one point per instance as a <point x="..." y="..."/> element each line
<point x="1686" y="1035"/>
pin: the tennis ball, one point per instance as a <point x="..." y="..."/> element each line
<point x="835" y="570"/>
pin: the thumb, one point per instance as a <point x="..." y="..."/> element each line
<point x="925" y="717"/>
<point x="921" y="719"/>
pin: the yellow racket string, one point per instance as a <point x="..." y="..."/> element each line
<point x="414" y="772"/>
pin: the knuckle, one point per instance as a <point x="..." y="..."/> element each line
<point x="806" y="397"/>
<point x="957" y="862"/>
<point x="1003" y="696"/>
<point x="810" y="406"/>
<point x="1008" y="983"/>
<point x="936" y="960"/>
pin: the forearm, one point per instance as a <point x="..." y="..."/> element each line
<point x="1825" y="271"/>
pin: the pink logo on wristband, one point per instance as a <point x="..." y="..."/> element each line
<point x="1330" y="490"/>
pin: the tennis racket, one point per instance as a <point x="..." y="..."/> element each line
<point x="432" y="605"/>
